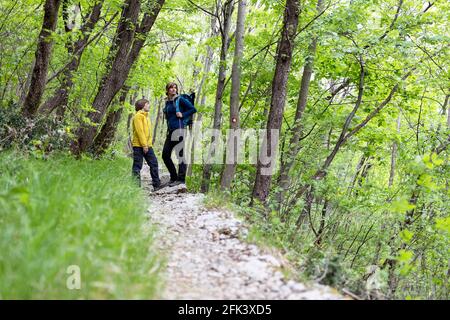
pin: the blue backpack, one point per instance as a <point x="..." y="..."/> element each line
<point x="191" y="98"/>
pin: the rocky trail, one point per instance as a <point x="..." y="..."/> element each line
<point x="207" y="257"/>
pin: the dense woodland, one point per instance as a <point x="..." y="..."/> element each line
<point x="357" y="89"/>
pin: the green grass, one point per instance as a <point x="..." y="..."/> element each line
<point x="60" y="212"/>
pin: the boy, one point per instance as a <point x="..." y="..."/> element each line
<point x="142" y="144"/>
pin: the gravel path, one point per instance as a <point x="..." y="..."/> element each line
<point x="207" y="260"/>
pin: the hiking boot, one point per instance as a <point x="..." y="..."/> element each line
<point x="175" y="183"/>
<point x="156" y="188"/>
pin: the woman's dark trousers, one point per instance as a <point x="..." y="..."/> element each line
<point x="169" y="146"/>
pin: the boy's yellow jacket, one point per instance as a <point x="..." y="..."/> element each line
<point x="142" y="133"/>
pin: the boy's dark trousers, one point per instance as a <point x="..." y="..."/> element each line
<point x="169" y="145"/>
<point x="150" y="158"/>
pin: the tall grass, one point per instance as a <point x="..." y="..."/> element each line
<point x="60" y="212"/>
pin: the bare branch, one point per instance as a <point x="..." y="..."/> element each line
<point x="82" y="47"/>
<point x="399" y="6"/>
<point x="203" y="9"/>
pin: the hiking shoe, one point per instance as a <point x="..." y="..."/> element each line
<point x="175" y="183"/>
<point x="158" y="187"/>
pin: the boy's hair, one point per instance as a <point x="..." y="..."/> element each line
<point x="170" y="85"/>
<point x="139" y="105"/>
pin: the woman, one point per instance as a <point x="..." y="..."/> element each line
<point x="174" y="135"/>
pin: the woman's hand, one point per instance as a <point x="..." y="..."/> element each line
<point x="179" y="115"/>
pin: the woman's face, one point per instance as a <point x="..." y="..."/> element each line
<point x="173" y="90"/>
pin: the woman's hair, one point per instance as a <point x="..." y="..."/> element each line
<point x="139" y="105"/>
<point x="170" y="85"/>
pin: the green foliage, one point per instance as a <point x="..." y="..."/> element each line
<point x="368" y="218"/>
<point x="40" y="136"/>
<point x="61" y="212"/>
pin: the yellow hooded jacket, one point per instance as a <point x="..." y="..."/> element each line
<point x="142" y="133"/>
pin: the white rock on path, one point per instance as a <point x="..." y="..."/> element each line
<point x="207" y="260"/>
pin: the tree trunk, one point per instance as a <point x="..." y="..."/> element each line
<point x="448" y="114"/>
<point x="319" y="237"/>
<point x="359" y="168"/>
<point x="225" y="28"/>
<point x="107" y="133"/>
<point x="306" y="211"/>
<point x="190" y="164"/>
<point x="279" y="84"/>
<point x="60" y="98"/>
<point x="42" y="59"/>
<point x="343" y="136"/>
<point x="130" y="39"/>
<point x="158" y="118"/>
<point x="365" y="171"/>
<point x="133" y="98"/>
<point x="26" y="86"/>
<point x="362" y="170"/>
<point x="294" y="146"/>
<point x="230" y="164"/>
<point x="394" y="154"/>
<point x="207" y="67"/>
<point x="200" y="97"/>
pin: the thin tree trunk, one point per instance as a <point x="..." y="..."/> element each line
<point x="190" y="164"/>
<point x="158" y="118"/>
<point x="448" y="114"/>
<point x="129" y="146"/>
<point x="362" y="170"/>
<point x="206" y="69"/>
<point x="359" y="168"/>
<point x="306" y="211"/>
<point x="200" y="97"/>
<point x="230" y="165"/>
<point x="294" y="145"/>
<point x="394" y="154"/>
<point x="133" y="98"/>
<point x="26" y="86"/>
<point x="364" y="173"/>
<point x="348" y="120"/>
<point x="279" y="88"/>
<point x="319" y="237"/>
<point x="225" y="29"/>
<point x="207" y="65"/>
<point x="42" y="59"/>
<point x="131" y="38"/>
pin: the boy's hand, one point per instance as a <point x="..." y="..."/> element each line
<point x="145" y="150"/>
<point x="179" y="115"/>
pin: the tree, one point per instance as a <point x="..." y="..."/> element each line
<point x="130" y="37"/>
<point x="75" y="50"/>
<point x="108" y="131"/>
<point x="279" y="84"/>
<point x="42" y="59"/>
<point x="294" y="142"/>
<point x="230" y="165"/>
<point x="226" y="13"/>
<point x="394" y="154"/>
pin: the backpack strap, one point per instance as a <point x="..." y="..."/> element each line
<point x="177" y="104"/>
<point x="177" y="109"/>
